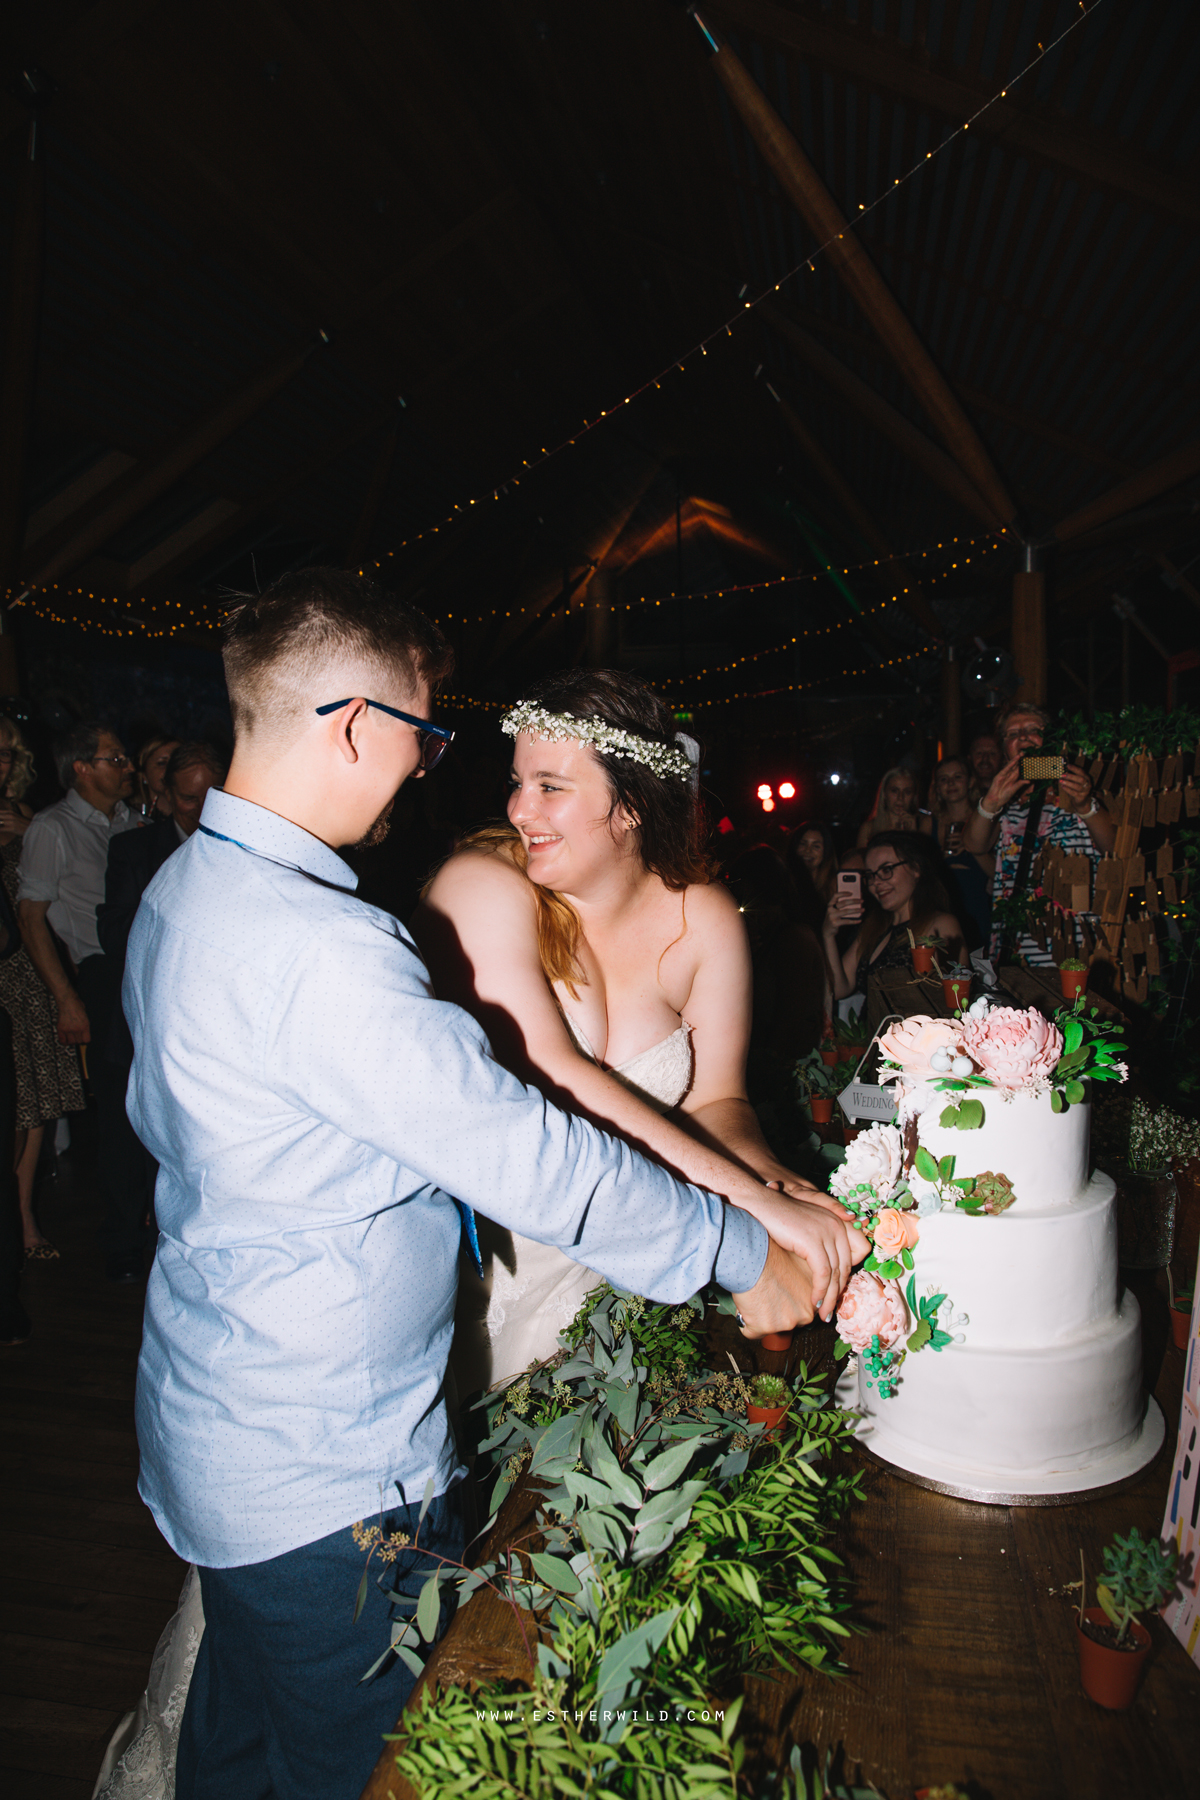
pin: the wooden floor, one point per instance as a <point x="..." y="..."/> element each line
<point x="968" y="1674"/>
<point x="88" y="1583"/>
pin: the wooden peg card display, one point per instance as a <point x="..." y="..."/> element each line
<point x="1110" y="889"/>
<point x="1168" y="806"/>
<point x="1149" y="811"/>
<point x="1152" y="905"/>
<point x="1164" y="859"/>
<point x="1172" y="770"/>
<point x="1191" y="800"/>
<point x="1153" y="960"/>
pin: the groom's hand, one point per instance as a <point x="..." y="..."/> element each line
<point x="818" y="1231"/>
<point x="781" y="1298"/>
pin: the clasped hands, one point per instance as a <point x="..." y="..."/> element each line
<point x="813" y="1250"/>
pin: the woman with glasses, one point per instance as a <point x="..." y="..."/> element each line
<point x="608" y="968"/>
<point x="904" y="893"/>
<point x="47" y="1072"/>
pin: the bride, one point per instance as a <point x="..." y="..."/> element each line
<point x="608" y="969"/>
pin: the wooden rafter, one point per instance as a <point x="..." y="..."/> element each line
<point x="1022" y="126"/>
<point x="816" y="205"/>
<point x="19" y="351"/>
<point x="914" y="601"/>
<point x="932" y="461"/>
<point x="130" y="494"/>
<point x="1136" y="490"/>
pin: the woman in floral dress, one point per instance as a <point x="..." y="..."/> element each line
<point x="47" y="1072"/>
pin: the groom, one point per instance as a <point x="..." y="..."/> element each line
<point x="312" y="1108"/>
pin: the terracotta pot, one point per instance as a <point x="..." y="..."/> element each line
<point x="770" y="1416"/>
<point x="956" y="990"/>
<point x="829" y="1058"/>
<point x="850" y="1132"/>
<point x="847" y="1053"/>
<point x="821" y="1108"/>
<point x="1181" y="1325"/>
<point x="1074" y="983"/>
<point x="922" y="958"/>
<point x="776" y="1340"/>
<point x="1110" y="1677"/>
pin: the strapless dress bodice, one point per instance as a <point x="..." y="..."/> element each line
<point x="660" y="1075"/>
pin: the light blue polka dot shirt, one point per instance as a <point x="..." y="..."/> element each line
<point x="312" y="1107"/>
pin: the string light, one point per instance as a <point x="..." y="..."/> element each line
<point x="726" y="325"/>
<point x="193" y="618"/>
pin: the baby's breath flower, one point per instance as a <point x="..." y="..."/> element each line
<point x="558" y="728"/>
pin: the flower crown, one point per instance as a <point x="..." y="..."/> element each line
<point x="557" y="728"/>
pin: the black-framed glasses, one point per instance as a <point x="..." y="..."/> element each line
<point x="435" y="739"/>
<point x="883" y="873"/>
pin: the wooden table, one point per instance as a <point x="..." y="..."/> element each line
<point x="968" y="1671"/>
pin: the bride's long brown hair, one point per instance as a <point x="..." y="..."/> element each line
<point x="670" y="824"/>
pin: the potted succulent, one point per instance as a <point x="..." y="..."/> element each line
<point x="956" y="986"/>
<point x="852" y="1037"/>
<point x="1073" y="975"/>
<point x="924" y="952"/>
<point x="768" y="1402"/>
<point x="1139" y="1576"/>
<point x="1181" y="1313"/>
<point x="828" y="1052"/>
<point x="818" y="1085"/>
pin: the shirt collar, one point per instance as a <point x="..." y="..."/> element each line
<point x="269" y="834"/>
<point x="83" y="809"/>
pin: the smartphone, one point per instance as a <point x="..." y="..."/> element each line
<point x="1042" y="768"/>
<point x="849" y="884"/>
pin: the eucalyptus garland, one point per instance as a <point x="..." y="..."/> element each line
<point x="678" y="1548"/>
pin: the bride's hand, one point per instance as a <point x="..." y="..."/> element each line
<point x="816" y="1229"/>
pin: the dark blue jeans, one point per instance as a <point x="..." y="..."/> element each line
<point x="277" y="1708"/>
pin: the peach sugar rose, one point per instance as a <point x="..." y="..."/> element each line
<point x="894" y="1231"/>
<point x="870" y="1307"/>
<point x="1013" y="1048"/>
<point x="912" y="1042"/>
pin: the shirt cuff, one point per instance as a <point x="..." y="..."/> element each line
<point x="743" y="1253"/>
<point x="30" y="888"/>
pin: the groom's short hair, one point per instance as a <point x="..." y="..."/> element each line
<point x="278" y="645"/>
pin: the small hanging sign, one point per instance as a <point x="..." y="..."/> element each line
<point x="866" y="1100"/>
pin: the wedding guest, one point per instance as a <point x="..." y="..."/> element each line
<point x="46" y="1071"/>
<point x="968" y="877"/>
<point x="61" y="883"/>
<point x="894" y="809"/>
<point x="1011" y="817"/>
<point x="792" y="983"/>
<point x="152" y="760"/>
<point x="811" y="846"/>
<point x="313" y="1108"/>
<point x="983" y="761"/>
<point x="14" y="1320"/>
<point x="905" y="893"/>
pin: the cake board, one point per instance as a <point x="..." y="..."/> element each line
<point x="1066" y="1487"/>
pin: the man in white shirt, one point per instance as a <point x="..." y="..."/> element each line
<point x="313" y="1107"/>
<point x="64" y="857"/>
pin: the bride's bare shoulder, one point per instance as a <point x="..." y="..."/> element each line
<point x="474" y="875"/>
<point x="711" y="910"/>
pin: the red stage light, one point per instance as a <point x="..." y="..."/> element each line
<point x="764" y="790"/>
<point x="768" y="804"/>
<point x="787" y="790"/>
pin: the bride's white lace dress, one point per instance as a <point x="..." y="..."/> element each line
<point x="510" y="1319"/>
<point x="140" y="1761"/>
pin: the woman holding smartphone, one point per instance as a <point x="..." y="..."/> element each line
<point x="904" y="893"/>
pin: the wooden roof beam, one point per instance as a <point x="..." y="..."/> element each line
<point x="914" y="601"/>
<point x="816" y="205"/>
<point x="20" y="349"/>
<point x="1021" y="125"/>
<point x="934" y="463"/>
<point x="86" y="530"/>
<point x="1148" y="484"/>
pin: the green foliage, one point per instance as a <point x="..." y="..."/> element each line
<point x="769" y="1390"/>
<point x="965" y="1115"/>
<point x="1093" y="1050"/>
<point x="1139" y="1576"/>
<point x="680" y="1548"/>
<point x="812" y="1076"/>
<point x="925" y="1312"/>
<point x="1131" y="731"/>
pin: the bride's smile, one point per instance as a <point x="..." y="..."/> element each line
<point x="561" y="804"/>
